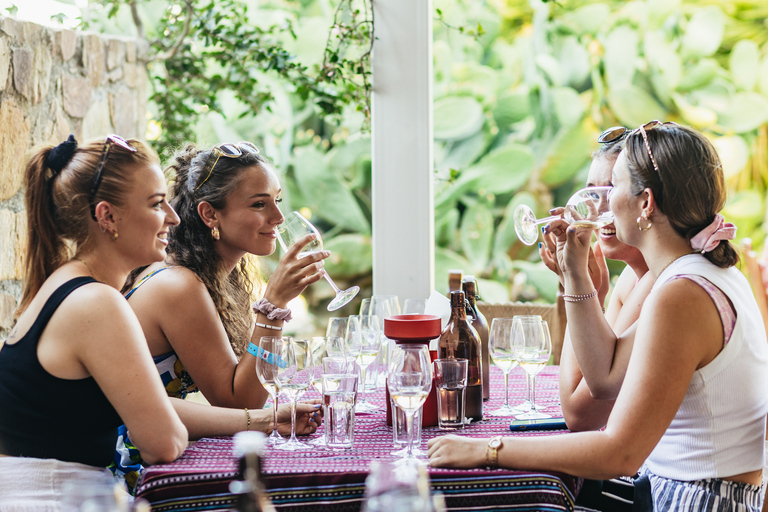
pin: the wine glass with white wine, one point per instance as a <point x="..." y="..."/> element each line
<point x="297" y="226"/>
<point x="502" y="354"/>
<point x="532" y="347"/>
<point x="587" y="208"/>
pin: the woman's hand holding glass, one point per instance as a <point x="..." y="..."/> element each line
<point x="295" y="229"/>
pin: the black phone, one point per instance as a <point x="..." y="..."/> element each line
<point x="538" y="424"/>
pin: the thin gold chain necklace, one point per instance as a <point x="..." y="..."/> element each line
<point x="93" y="274"/>
<point x="671" y="262"/>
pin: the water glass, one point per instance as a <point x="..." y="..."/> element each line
<point x="451" y="381"/>
<point x="339" y="396"/>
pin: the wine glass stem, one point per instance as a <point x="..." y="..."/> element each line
<point x="362" y="386"/>
<point x="293" y="419"/>
<point x="274" y="414"/>
<point x="409" y="429"/>
<point x="506" y="389"/>
<point x="532" y="395"/>
<point x="547" y="219"/>
<point x="330" y="282"/>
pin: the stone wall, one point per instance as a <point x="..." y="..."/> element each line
<point x="53" y="83"/>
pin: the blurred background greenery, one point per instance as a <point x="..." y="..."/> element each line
<point x="522" y="88"/>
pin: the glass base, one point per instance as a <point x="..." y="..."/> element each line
<point x="417" y="452"/>
<point x="320" y="441"/>
<point x="365" y="406"/>
<point x="275" y="439"/>
<point x="342" y="298"/>
<point x="532" y="415"/>
<point x="521" y="407"/>
<point x="294" y="445"/>
<point x="505" y="411"/>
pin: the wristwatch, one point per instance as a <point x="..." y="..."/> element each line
<point x="492" y="451"/>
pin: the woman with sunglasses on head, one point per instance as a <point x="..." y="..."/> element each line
<point x="195" y="308"/>
<point x="691" y="410"/>
<point x="94" y="213"/>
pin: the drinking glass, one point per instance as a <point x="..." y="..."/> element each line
<point x="532" y="348"/>
<point x="451" y="382"/>
<point x="337" y="328"/>
<point x="587" y="208"/>
<point x="294" y="363"/>
<point x="409" y="381"/>
<point x="392" y="487"/>
<point x="414" y="306"/>
<point x="365" y="344"/>
<point x="503" y="356"/>
<point x="266" y="371"/>
<point x="297" y="226"/>
<point x="322" y="347"/>
<point x="339" y="396"/>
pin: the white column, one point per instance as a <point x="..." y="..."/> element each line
<point x="403" y="213"/>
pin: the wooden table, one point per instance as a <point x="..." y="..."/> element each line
<point x="335" y="479"/>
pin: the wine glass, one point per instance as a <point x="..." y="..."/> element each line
<point x="364" y="341"/>
<point x="297" y="226"/>
<point x="587" y="208"/>
<point x="532" y="348"/>
<point x="382" y="306"/>
<point x="502" y="354"/>
<point x="322" y="347"/>
<point x="414" y="306"/>
<point x="294" y="363"/>
<point x="409" y="380"/>
<point x="266" y="371"/>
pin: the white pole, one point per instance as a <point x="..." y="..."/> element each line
<point x="403" y="204"/>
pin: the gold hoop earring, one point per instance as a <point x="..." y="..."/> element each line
<point x="215" y="233"/>
<point x="644" y="218"/>
<point x="114" y="236"/>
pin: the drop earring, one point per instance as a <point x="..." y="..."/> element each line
<point x="215" y="233"/>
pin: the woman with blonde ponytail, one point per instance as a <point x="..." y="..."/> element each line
<point x="94" y="213"/>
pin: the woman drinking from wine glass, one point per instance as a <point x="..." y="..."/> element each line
<point x="195" y="307"/>
<point x="691" y="410"/>
<point x="94" y="213"/>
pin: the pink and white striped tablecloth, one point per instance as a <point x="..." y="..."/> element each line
<point x="335" y="480"/>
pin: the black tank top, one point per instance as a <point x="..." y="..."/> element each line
<point x="47" y="417"/>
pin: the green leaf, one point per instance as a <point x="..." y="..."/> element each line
<point x="696" y="116"/>
<point x="512" y="107"/>
<point x="460" y="154"/>
<point x="588" y="19"/>
<point x="543" y="280"/>
<point x="446" y="260"/>
<point x="492" y="292"/>
<point x="327" y="195"/>
<point x="620" y="56"/>
<point x="748" y="110"/>
<point x="351" y="256"/>
<point x="476" y="233"/>
<point x="502" y="170"/>
<point x="568" y="106"/>
<point x="662" y="56"/>
<point x="457" y="117"/>
<point x="574" y="62"/>
<point x="762" y="76"/>
<point x="551" y="68"/>
<point x="346" y="158"/>
<point x="633" y="106"/>
<point x="745" y="64"/>
<point x="745" y="209"/>
<point x="733" y="152"/>
<point x="445" y="228"/>
<point x="704" y="32"/>
<point x="567" y="153"/>
<point x="505" y="233"/>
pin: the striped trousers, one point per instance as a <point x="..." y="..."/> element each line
<point x="703" y="495"/>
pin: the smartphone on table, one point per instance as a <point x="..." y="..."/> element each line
<point x="538" y="424"/>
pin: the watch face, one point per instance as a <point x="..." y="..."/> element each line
<point x="494" y="443"/>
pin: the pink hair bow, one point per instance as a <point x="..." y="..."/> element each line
<point x="709" y="237"/>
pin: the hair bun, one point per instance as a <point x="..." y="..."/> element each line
<point x="60" y="156"/>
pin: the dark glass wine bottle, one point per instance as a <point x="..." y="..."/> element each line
<point x="469" y="285"/>
<point x="460" y="340"/>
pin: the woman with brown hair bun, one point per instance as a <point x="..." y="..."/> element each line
<point x="195" y="308"/>
<point x="76" y="364"/>
<point x="691" y="411"/>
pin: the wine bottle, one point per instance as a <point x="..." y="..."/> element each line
<point x="454" y="281"/>
<point x="460" y="340"/>
<point x="469" y="285"/>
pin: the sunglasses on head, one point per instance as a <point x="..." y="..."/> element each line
<point x="227" y="150"/>
<point x="619" y="132"/>
<point x="112" y="140"/>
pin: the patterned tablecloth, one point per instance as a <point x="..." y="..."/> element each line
<point x="335" y="480"/>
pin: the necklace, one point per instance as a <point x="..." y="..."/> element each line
<point x="671" y="262"/>
<point x="95" y="276"/>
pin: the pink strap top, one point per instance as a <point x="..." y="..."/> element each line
<point x="724" y="308"/>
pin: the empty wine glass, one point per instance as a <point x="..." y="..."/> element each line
<point x="266" y="371"/>
<point x="297" y="226"/>
<point x="382" y="306"/>
<point x="364" y="341"/>
<point x="409" y="380"/>
<point x="294" y="363"/>
<point x="322" y="347"/>
<point x="587" y="208"/>
<point x="414" y="306"/>
<point x="502" y="353"/>
<point x="532" y="346"/>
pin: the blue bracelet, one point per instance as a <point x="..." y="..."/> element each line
<point x="269" y="357"/>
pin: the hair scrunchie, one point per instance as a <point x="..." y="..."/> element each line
<point x="271" y="311"/>
<point x="709" y="237"/>
<point x="60" y="156"/>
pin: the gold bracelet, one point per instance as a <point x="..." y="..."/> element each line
<point x="248" y="419"/>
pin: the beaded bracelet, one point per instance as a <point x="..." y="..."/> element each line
<point x="271" y="311"/>
<point x="579" y="297"/>
<point x="248" y="419"/>
<point x="267" y="326"/>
